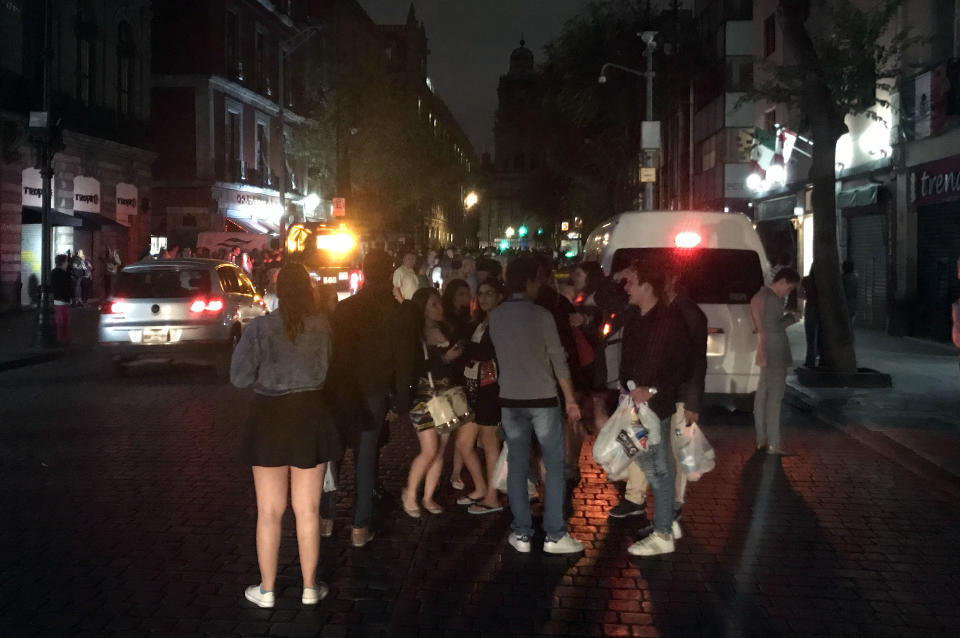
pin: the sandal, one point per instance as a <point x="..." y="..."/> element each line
<point x="457" y="485"/>
<point x="413" y="512"/>
<point x="468" y="500"/>
<point x="481" y="508"/>
<point x="433" y="508"/>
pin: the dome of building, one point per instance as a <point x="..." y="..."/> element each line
<point x="521" y="59"/>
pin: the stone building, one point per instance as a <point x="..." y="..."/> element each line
<point x="99" y="70"/>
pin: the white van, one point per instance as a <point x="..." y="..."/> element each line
<point x="724" y="264"/>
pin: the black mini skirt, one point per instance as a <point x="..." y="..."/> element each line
<point x="292" y="429"/>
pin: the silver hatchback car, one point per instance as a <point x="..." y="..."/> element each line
<point x="178" y="309"/>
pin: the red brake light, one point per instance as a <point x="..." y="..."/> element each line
<point x="116" y="307"/>
<point x="687" y="239"/>
<point x="356" y="281"/>
<point x="201" y="305"/>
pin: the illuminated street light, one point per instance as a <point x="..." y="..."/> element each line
<point x="509" y="232"/>
<point x="471" y="200"/>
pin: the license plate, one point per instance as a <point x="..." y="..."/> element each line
<point x="329" y="280"/>
<point x="155" y="335"/>
<point x="716" y="345"/>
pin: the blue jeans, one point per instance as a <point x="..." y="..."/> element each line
<point x="658" y="465"/>
<point x="547" y="424"/>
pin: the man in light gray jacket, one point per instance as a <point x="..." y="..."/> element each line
<point x="532" y="364"/>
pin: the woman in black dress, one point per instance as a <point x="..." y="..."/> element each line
<point x="289" y="435"/>
<point x="483" y="392"/>
<point x="437" y="350"/>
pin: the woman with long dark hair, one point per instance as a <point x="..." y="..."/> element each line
<point x="483" y="392"/>
<point x="289" y="435"/>
<point x="457" y="300"/>
<point x="438" y="350"/>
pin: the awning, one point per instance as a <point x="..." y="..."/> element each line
<point x="96" y="221"/>
<point x="855" y="197"/>
<point x="32" y="215"/>
<point x="238" y="224"/>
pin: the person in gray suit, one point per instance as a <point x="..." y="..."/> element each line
<point x="773" y="355"/>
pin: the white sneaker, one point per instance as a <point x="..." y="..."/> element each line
<point x="520" y="543"/>
<point x="677" y="532"/>
<point x="652" y="545"/>
<point x="259" y="597"/>
<point x="313" y="595"/>
<point x="565" y="545"/>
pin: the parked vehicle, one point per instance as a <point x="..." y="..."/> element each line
<point x="722" y="265"/>
<point x="177" y="309"/>
<point x="330" y="252"/>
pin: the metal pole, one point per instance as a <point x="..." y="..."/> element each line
<point x="649" y="154"/>
<point x="45" y="331"/>
<point x="282" y="186"/>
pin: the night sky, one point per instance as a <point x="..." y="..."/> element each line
<point x="470" y="43"/>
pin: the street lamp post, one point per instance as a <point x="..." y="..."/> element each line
<point x="43" y="130"/>
<point x="650" y="127"/>
<point x="287" y="47"/>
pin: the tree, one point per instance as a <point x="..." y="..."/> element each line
<point x="593" y="129"/>
<point x="843" y="54"/>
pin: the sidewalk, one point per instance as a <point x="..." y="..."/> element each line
<point x="18" y="339"/>
<point x="916" y="423"/>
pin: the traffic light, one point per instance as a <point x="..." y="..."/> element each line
<point x="522" y="231"/>
<point x="504" y="245"/>
<point x="539" y="231"/>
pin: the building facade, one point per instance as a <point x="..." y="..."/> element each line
<point x="518" y="153"/>
<point x="896" y="169"/>
<point x="222" y="149"/>
<point x="99" y="73"/>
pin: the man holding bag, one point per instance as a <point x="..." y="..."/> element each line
<point x="655" y="362"/>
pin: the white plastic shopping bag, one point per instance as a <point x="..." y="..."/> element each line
<point x="330" y="478"/>
<point x="695" y="455"/>
<point x="500" y="471"/>
<point x="627" y="433"/>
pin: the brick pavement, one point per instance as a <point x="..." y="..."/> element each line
<point x="125" y="513"/>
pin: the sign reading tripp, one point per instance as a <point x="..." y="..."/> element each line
<point x="127" y="198"/>
<point x="32" y="188"/>
<point x="935" y="182"/>
<point x="86" y="194"/>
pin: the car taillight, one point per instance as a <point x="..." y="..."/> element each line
<point x="606" y="329"/>
<point x="356" y="281"/>
<point x="204" y="305"/>
<point x="115" y="307"/>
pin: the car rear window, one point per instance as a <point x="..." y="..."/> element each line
<point x="708" y="275"/>
<point x="162" y="283"/>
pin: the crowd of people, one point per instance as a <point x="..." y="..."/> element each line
<point x="521" y="359"/>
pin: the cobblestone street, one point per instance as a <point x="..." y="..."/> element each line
<point x="125" y="512"/>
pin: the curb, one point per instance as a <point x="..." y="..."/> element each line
<point x="29" y="360"/>
<point x="879" y="443"/>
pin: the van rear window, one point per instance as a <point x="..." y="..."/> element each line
<point x="162" y="283"/>
<point x="708" y="275"/>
